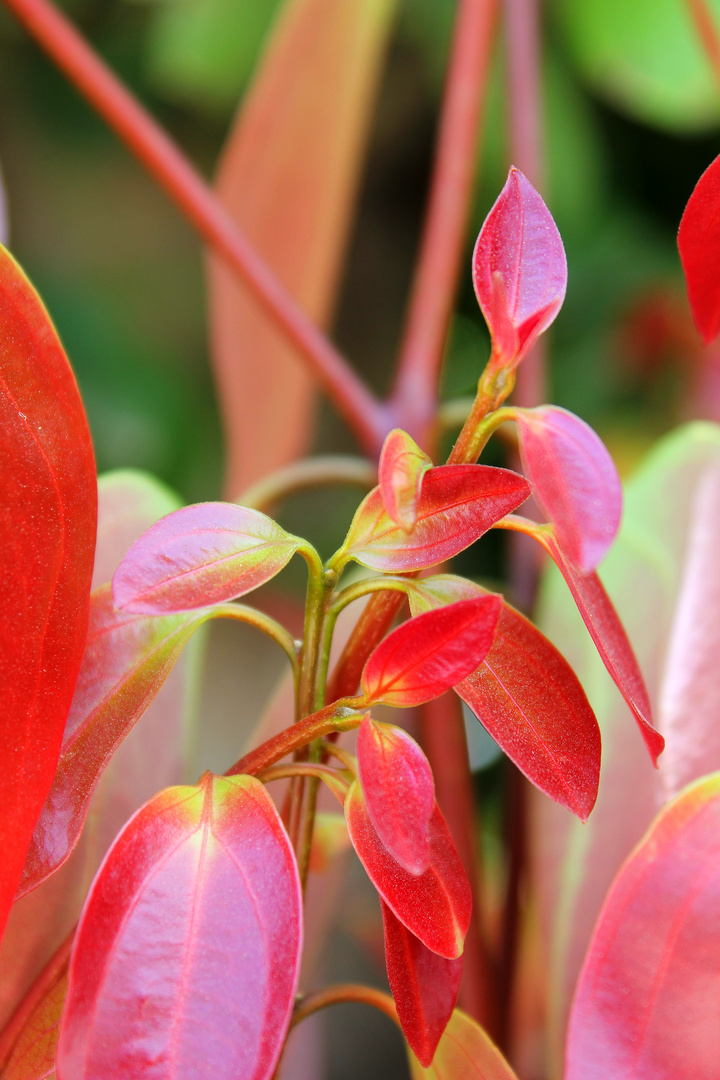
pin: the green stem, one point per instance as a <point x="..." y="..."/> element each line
<point x="337" y="783"/>
<point x="308" y="473"/>
<point x="261" y="621"/>
<point x="494" y="386"/>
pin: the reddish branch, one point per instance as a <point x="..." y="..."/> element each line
<point x="707" y="31"/>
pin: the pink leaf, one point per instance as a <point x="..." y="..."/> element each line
<point x="400" y="473"/>
<point x="187" y="955"/>
<point x="464" y="1053"/>
<point x="699" y="244"/>
<point x="519" y="269"/>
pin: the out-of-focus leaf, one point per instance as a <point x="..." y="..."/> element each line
<point x="33" y="1055"/>
<point x="288" y="177"/>
<point x="400" y="473"/>
<point x="434" y="906"/>
<point x="4" y="224"/>
<point x="464" y="1053"/>
<point x="457" y="505"/>
<point x="48" y="516"/>
<point x="648" y="998"/>
<point x="699" y="244"/>
<point x="187" y="956"/>
<point x="330" y="838"/>
<point x="424" y="985"/>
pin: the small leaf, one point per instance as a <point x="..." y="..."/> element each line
<point x="33" y="1054"/>
<point x="434" y="906"/>
<point x="399" y="791"/>
<point x="187" y="955"/>
<point x="699" y="244"/>
<point x="464" y="1053"/>
<point x="574" y="479"/>
<point x="198" y="556"/>
<point x="428" y="654"/>
<point x="647" y="1002"/>
<point x="424" y="985"/>
<point x="519" y="269"/>
<point x="457" y="505"/>
<point x="400" y="473"/>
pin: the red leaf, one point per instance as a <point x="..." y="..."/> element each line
<point x="424" y="985"/>
<point x="430" y="653"/>
<point x="519" y="269"/>
<point x="187" y="955"/>
<point x="201" y="555"/>
<point x="401" y="470"/>
<point x="575" y="481"/>
<point x="457" y="505"/>
<point x="33" y="1053"/>
<point x="647" y="1002"/>
<point x="434" y="906"/>
<point x="464" y="1053"/>
<point x="48" y="510"/>
<point x="699" y="244"/>
<point x="399" y="791"/>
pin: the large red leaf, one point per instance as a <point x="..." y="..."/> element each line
<point x="464" y="1053"/>
<point x="48" y="510"/>
<point x="648" y="999"/>
<point x="424" y="985"/>
<point x="457" y="505"/>
<point x="401" y="469"/>
<point x="187" y="956"/>
<point x="434" y="906"/>
<point x="699" y="244"/>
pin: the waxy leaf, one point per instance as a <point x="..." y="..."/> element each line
<point x="464" y="1053"/>
<point x="424" y="985"/>
<point x="428" y="654"/>
<point x="201" y="555"/>
<point x="401" y="470"/>
<point x="434" y="906"/>
<point x="574" y="479"/>
<point x="519" y="269"/>
<point x="648" y="999"/>
<point x="33" y="1054"/>
<point x="699" y="244"/>
<point x="48" y="511"/>
<point x="399" y="791"/>
<point x="187" y="955"/>
<point x="457" y="505"/>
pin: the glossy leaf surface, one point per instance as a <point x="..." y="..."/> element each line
<point x="457" y="505"/>
<point x="648" y="999"/>
<point x="399" y="791"/>
<point x="428" y="654"/>
<point x="699" y="244"/>
<point x="424" y="985"/>
<point x="464" y="1053"/>
<point x="434" y="906"/>
<point x="574" y="479"/>
<point x="519" y="269"/>
<point x="48" y="512"/>
<point x="401" y="470"/>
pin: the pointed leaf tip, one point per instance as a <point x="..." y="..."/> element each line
<point x="699" y="246"/>
<point x="400" y="472"/>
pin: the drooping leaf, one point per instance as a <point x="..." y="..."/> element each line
<point x="457" y="505"/>
<point x="424" y="985"/>
<point x="33" y="1054"/>
<point x="48" y="511"/>
<point x="434" y="906"/>
<point x="428" y="654"/>
<point x="187" y="956"/>
<point x="401" y="470"/>
<point x="699" y="244"/>
<point x="399" y="791"/>
<point x="574" y="479"/>
<point x="464" y="1053"/>
<point x="519" y="269"/>
<point x="648" y="998"/>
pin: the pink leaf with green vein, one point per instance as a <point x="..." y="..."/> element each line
<point x="464" y="1052"/>
<point x="400" y="473"/>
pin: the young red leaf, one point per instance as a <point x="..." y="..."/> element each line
<point x="48" y="510"/>
<point x="201" y="555"/>
<point x="647" y="1002"/>
<point x="428" y="654"/>
<point x="464" y="1053"/>
<point x="574" y="479"/>
<point x="424" y="985"/>
<point x="187" y="955"/>
<point x="458" y="503"/>
<point x="699" y="244"/>
<point x="519" y="269"/>
<point x="400" y="473"/>
<point x="434" y="906"/>
<point x="399" y="791"/>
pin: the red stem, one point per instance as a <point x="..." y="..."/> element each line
<point x="707" y="32"/>
<point x="436" y="277"/>
<point x="325" y="722"/>
<point x="193" y="196"/>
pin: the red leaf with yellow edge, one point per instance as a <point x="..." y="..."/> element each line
<point x="434" y="906"/>
<point x="428" y="654"/>
<point x="48" y="511"/>
<point x="699" y="244"/>
<point x="464" y="1052"/>
<point x="401" y="470"/>
<point x="458" y="503"/>
<point x="33" y="1053"/>
<point x="424" y="985"/>
<point x="187" y="955"/>
<point x="399" y="791"/>
<point x="648" y="1000"/>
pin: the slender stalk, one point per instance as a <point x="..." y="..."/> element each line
<point x="342" y="994"/>
<point x="707" y="31"/>
<point x="192" y="195"/>
<point x="337" y="783"/>
<point x="261" y="621"/>
<point x="340" y="716"/>
<point x="308" y="473"/>
<point x="435" y="283"/>
<point x="48" y="977"/>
